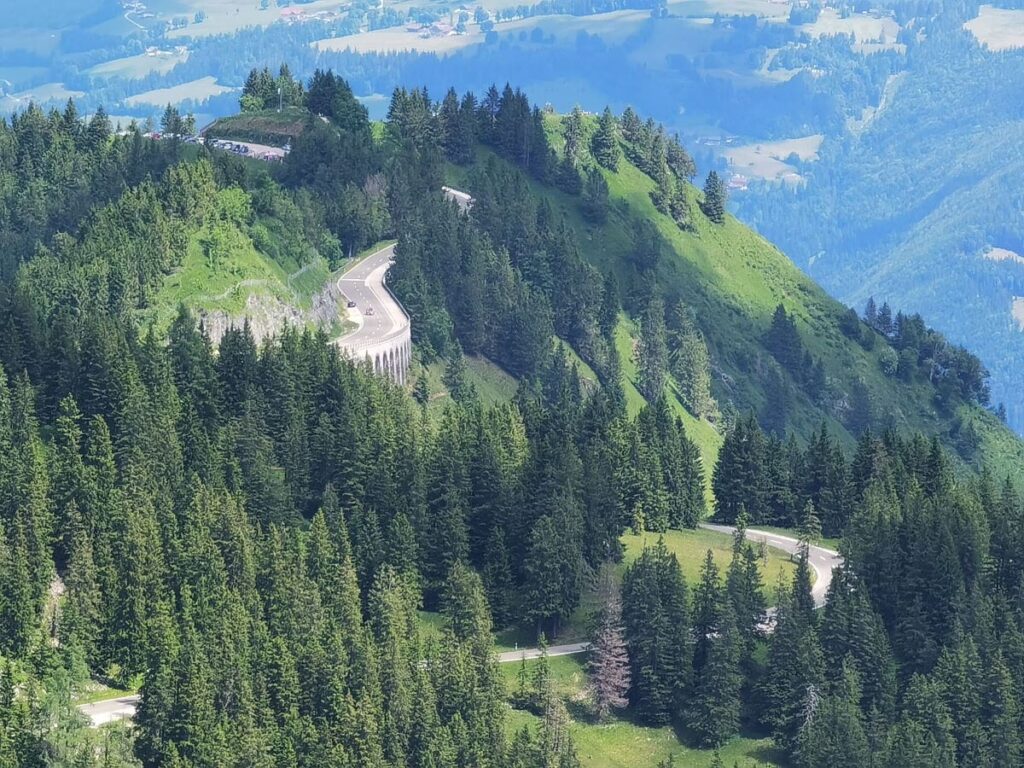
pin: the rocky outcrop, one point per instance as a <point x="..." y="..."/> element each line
<point x="267" y="314"/>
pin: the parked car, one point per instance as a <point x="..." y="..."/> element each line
<point x="369" y="310"/>
<point x="351" y="305"/>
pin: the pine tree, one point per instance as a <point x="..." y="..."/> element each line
<point x="691" y="363"/>
<point x="794" y="681"/>
<point x="713" y="712"/>
<point x="604" y="144"/>
<point x="744" y="590"/>
<point x="884" y="323"/>
<point x="652" y="351"/>
<point x="714" y="198"/>
<point x="595" y="196"/>
<point x="656" y="618"/>
<point x="609" y="661"/>
<point x="574" y="130"/>
<point x="871" y="313"/>
<point x="833" y="733"/>
<point x="465" y="605"/>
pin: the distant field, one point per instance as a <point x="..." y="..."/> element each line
<point x="766" y="160"/>
<point x="614" y="27"/>
<point x="197" y="90"/>
<point x="400" y="39"/>
<point x="999" y="28"/>
<point x="227" y="16"/>
<point x="865" y="28"/>
<point x="766" y="9"/>
<point x="674" y="34"/>
<point x="41" y="94"/>
<point x="134" y="67"/>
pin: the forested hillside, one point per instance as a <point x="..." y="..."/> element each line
<point x="297" y="563"/>
<point x="920" y="207"/>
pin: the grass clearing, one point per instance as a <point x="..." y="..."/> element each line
<point x="770" y="160"/>
<point x="136" y="67"/>
<point x="690" y="547"/>
<point x="865" y="27"/>
<point x="620" y="743"/>
<point x="48" y="92"/>
<point x="266" y="126"/>
<point x="568" y="674"/>
<point x="493" y="383"/>
<point x="1001" y="29"/>
<point x="194" y="90"/>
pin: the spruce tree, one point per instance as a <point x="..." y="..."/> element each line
<point x="656" y="618"/>
<point x="605" y="144"/>
<point x="714" y="198"/>
<point x="652" y="351"/>
<point x="713" y="711"/>
<point x="833" y="733"/>
<point x="609" y="661"/>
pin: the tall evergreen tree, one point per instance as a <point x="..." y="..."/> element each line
<point x="714" y="198"/>
<point x="604" y="144"/>
<point x="609" y="662"/>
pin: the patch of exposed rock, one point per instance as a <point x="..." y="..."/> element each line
<point x="267" y="314"/>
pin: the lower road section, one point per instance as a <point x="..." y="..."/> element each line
<point x="103" y="712"/>
<point x="822" y="560"/>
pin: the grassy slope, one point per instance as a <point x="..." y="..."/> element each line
<point x="492" y="383"/>
<point x="620" y="743"/>
<point x="226" y="281"/>
<point x="734" y="279"/>
<point x="689" y="546"/>
<point x="266" y="127"/>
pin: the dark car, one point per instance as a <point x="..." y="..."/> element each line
<point x="351" y="305"/>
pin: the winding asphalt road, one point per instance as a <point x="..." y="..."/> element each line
<point x="822" y="560"/>
<point x="364" y="284"/>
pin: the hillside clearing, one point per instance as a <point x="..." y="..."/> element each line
<point x="690" y="547"/>
<point x="864" y="27"/>
<point x="195" y="90"/>
<point x="1001" y="29"/>
<point x="769" y="160"/>
<point x="134" y="67"/>
<point x="620" y="743"/>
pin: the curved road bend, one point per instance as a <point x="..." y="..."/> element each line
<point x="103" y="712"/>
<point x="822" y="560"/>
<point x="364" y="284"/>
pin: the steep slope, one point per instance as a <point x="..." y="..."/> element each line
<point x="907" y="210"/>
<point x="734" y="279"/>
